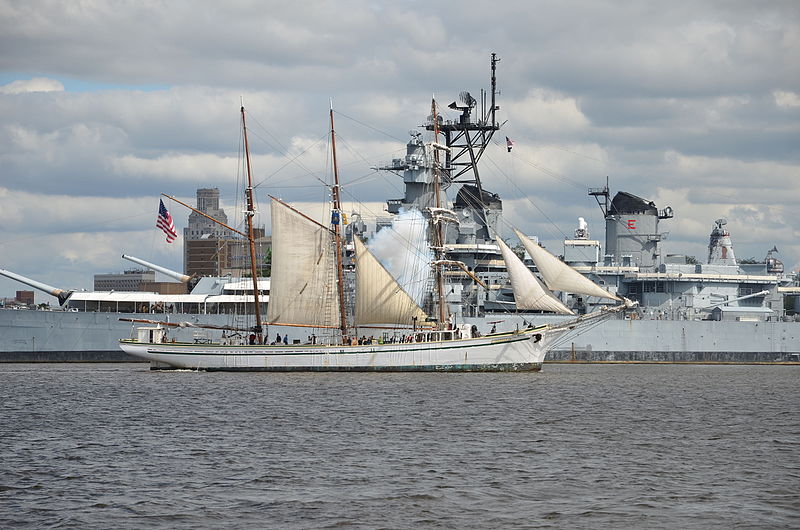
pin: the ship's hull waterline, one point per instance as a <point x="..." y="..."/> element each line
<point x="66" y="336"/>
<point x="524" y="351"/>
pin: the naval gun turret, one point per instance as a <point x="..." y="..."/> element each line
<point x="61" y="294"/>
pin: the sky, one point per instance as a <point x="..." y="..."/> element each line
<point x="105" y="105"/>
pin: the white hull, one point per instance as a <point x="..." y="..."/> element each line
<point x="523" y="351"/>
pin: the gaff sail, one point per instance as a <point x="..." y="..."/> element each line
<point x="303" y="284"/>
<point x="379" y="298"/>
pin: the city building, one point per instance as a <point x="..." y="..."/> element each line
<point x="210" y="249"/>
<point x="129" y="280"/>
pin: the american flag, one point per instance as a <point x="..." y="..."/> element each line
<point x="164" y="222"/>
<point x="509" y="143"/>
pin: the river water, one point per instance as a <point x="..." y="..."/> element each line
<point x="578" y="446"/>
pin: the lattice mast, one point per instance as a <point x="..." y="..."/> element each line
<point x="466" y="138"/>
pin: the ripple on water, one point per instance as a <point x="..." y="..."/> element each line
<point x="573" y="446"/>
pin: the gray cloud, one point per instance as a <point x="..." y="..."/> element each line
<point x="106" y="104"/>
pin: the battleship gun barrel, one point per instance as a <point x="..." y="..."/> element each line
<point x="172" y="274"/>
<point x="760" y="293"/>
<point x="61" y="294"/>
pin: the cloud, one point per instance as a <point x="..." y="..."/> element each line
<point x="661" y="98"/>
<point x="194" y="168"/>
<point x="548" y="113"/>
<point x="37" y="84"/>
<point x="786" y="99"/>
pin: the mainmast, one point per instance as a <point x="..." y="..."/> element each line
<point x="438" y="231"/>
<point x="250" y="237"/>
<point x="337" y="219"/>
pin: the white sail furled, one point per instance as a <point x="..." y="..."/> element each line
<point x="558" y="275"/>
<point x="303" y="283"/>
<point x="529" y="293"/>
<point x="379" y="298"/>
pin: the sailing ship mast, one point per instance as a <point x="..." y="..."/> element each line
<point x="249" y="213"/>
<point x="438" y="243"/>
<point x="337" y="219"/>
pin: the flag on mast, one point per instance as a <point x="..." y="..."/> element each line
<point x="164" y="222"/>
<point x="509" y="144"/>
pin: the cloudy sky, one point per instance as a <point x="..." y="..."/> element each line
<point x="104" y="105"/>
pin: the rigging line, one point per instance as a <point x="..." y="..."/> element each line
<point x="356" y="152"/>
<point x="279" y="148"/>
<point x="554" y="175"/>
<point x="553" y="223"/>
<point x="407" y="243"/>
<point x="339" y="113"/>
<point x="363" y="178"/>
<point x="553" y="146"/>
<point x="282" y="149"/>
<point x="369" y="177"/>
<point x="618" y="221"/>
<point x="527" y="198"/>
<point x="504" y="221"/>
<point x="289" y="186"/>
<point x="342" y="140"/>
<point x="579" y="330"/>
<point x="293" y="160"/>
<point x="543" y="169"/>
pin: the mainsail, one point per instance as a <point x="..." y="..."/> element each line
<point x="379" y="298"/>
<point x="303" y="283"/>
<point x="558" y="275"/>
<point x="529" y="293"/>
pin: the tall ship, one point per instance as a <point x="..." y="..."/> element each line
<point x="717" y="310"/>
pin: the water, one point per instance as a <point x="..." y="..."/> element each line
<point x="118" y="446"/>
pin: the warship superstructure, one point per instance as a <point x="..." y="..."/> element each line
<point x="720" y="310"/>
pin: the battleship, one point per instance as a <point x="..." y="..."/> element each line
<point x="720" y="310"/>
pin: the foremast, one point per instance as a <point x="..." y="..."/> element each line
<point x="249" y="213"/>
<point x="336" y="220"/>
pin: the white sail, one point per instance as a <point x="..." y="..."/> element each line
<point x="529" y="293"/>
<point x="558" y="275"/>
<point x="303" y="284"/>
<point x="379" y="298"/>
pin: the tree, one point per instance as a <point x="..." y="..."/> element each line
<point x="266" y="267"/>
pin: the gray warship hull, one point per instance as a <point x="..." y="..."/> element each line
<point x="718" y="311"/>
<point x="67" y="336"/>
<point x="671" y="341"/>
<point x="64" y="336"/>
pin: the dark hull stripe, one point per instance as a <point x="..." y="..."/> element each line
<point x="314" y="350"/>
<point x="504" y="367"/>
